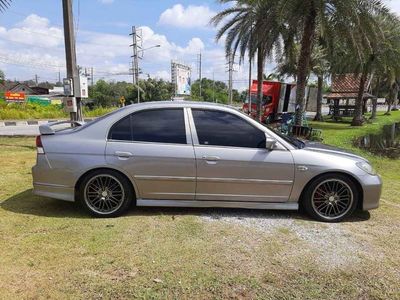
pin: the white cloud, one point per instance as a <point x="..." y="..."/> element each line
<point x="38" y="47"/>
<point x="34" y="30"/>
<point x="166" y="75"/>
<point x="190" y="17"/>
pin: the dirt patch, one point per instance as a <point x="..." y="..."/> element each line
<point x="331" y="245"/>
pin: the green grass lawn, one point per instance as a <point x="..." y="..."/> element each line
<point x="51" y="249"/>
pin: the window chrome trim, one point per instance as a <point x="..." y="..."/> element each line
<point x="141" y="142"/>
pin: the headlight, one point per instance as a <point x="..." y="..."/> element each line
<point x="366" y="167"/>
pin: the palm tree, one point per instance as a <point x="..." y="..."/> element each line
<point x="381" y="58"/>
<point x="4" y="4"/>
<point x="253" y="28"/>
<point x="351" y="19"/>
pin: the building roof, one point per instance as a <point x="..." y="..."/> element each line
<point x="346" y="86"/>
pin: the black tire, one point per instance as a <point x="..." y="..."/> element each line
<point x="114" y="197"/>
<point x="331" y="198"/>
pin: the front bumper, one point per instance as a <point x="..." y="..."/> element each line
<point x="372" y="189"/>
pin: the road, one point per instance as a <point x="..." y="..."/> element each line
<point x="26" y="130"/>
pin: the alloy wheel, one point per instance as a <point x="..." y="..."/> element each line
<point x="104" y="194"/>
<point x="332" y="199"/>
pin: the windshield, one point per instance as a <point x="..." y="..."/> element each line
<point x="267" y="99"/>
<point x="291" y="140"/>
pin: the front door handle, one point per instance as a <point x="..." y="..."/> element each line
<point x="211" y="158"/>
<point x="123" y="154"/>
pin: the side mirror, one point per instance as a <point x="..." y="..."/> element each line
<point x="270" y="143"/>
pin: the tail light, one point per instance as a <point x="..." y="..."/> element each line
<point x="39" y="145"/>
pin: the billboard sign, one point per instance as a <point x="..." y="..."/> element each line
<point x="180" y="77"/>
<point x="14" y="97"/>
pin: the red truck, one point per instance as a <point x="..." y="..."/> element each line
<point x="278" y="98"/>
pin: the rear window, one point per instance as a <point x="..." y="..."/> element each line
<point x="153" y="126"/>
<point x="122" y="130"/>
<point x="159" y="126"/>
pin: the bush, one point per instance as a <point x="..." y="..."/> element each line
<point x="28" y="111"/>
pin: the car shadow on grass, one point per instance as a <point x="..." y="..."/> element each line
<point x="28" y="203"/>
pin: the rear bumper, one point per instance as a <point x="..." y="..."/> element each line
<point x="372" y="189"/>
<point x="48" y="182"/>
<point x="54" y="191"/>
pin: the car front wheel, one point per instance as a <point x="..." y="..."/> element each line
<point x="331" y="198"/>
<point x="105" y="193"/>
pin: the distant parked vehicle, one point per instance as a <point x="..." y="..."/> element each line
<point x="278" y="98"/>
<point x="193" y="154"/>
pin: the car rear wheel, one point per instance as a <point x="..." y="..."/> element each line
<point x="105" y="193"/>
<point x="331" y="198"/>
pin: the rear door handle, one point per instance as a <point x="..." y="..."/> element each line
<point x="122" y="154"/>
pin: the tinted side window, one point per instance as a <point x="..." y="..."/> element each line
<point x="121" y="130"/>
<point x="224" y="129"/>
<point x="159" y="126"/>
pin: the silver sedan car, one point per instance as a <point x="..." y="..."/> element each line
<point x="194" y="154"/>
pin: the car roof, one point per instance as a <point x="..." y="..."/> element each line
<point x="178" y="103"/>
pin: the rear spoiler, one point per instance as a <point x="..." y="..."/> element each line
<point x="46" y="129"/>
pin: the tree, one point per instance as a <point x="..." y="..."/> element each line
<point x="253" y="28"/>
<point x="212" y="91"/>
<point x="4" y="4"/>
<point x="2" y="77"/>
<point x="107" y="94"/>
<point x="378" y="60"/>
<point x="352" y="20"/>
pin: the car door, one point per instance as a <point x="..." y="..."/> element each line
<point x="154" y="147"/>
<point x="233" y="163"/>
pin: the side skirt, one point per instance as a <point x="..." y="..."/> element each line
<point x="201" y="203"/>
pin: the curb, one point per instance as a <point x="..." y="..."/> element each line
<point x="31" y="122"/>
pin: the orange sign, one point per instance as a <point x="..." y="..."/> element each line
<point x="11" y="96"/>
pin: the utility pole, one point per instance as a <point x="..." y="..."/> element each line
<point x="91" y="76"/>
<point x="250" y="104"/>
<point x="200" y="75"/>
<point x="70" y="55"/>
<point x="214" y="89"/>
<point x="59" y="76"/>
<point x="137" y="47"/>
<point x="230" y="70"/>
<point x="36" y="79"/>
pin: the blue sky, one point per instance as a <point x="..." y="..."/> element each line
<point x="31" y="38"/>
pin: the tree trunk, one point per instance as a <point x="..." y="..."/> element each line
<point x="394" y="92"/>
<point x="374" y="107"/>
<point x="260" y="73"/>
<point x="303" y="65"/>
<point x="375" y="100"/>
<point x="318" y="116"/>
<point x="358" y="118"/>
